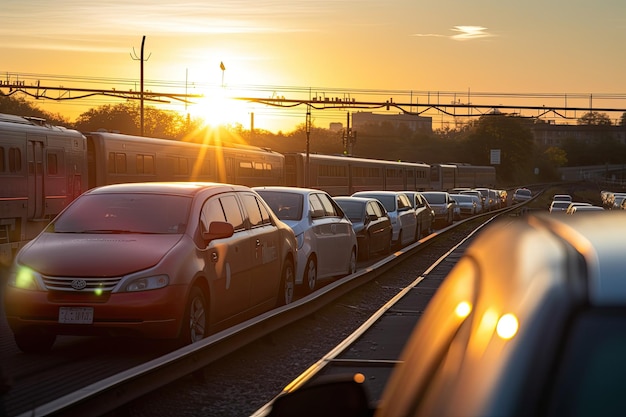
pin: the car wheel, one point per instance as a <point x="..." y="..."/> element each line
<point x="352" y="266"/>
<point x="194" y="326"/>
<point x="310" y="274"/>
<point x="34" y="341"/>
<point x="287" y="284"/>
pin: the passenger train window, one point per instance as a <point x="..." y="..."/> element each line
<point x="53" y="164"/>
<point x="145" y="164"/>
<point x="15" y="160"/>
<point x="117" y="163"/>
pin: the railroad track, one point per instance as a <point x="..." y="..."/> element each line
<point x="223" y="374"/>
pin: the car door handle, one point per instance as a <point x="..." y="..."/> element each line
<point x="214" y="257"/>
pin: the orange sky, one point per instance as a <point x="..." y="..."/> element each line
<point x="562" y="52"/>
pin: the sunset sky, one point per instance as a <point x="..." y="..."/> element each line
<point x="568" y="52"/>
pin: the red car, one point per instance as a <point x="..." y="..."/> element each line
<point x="158" y="260"/>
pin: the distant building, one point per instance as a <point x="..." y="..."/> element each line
<point x="552" y="134"/>
<point x="335" y="127"/>
<point x="360" y="120"/>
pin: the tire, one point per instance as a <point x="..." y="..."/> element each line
<point x="310" y="275"/>
<point x="287" y="284"/>
<point x="34" y="341"/>
<point x="195" y="324"/>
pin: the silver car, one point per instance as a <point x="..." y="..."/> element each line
<point x="530" y="322"/>
<point x="327" y="244"/>
<point x="401" y="213"/>
<point x="443" y="206"/>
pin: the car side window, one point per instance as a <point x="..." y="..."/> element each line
<point x="329" y="207"/>
<point x="265" y="214"/>
<point x="403" y="202"/>
<point x="223" y="209"/>
<point x="316" y="206"/>
<point x="252" y="208"/>
<point x="370" y="210"/>
<point x="232" y="211"/>
<point x="212" y="211"/>
<point x="379" y="209"/>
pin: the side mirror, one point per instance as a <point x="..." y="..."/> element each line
<point x="218" y="230"/>
<point x="332" y="396"/>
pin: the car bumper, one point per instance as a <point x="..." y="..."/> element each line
<point x="152" y="314"/>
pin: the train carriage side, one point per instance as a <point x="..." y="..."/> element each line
<point x="342" y="175"/>
<point x="325" y="172"/>
<point x="117" y="158"/>
<point x="443" y="177"/>
<point x="42" y="169"/>
<point x="476" y="176"/>
<point x="254" y="167"/>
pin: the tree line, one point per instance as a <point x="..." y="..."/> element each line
<point x="522" y="160"/>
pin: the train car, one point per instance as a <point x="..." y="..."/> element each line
<point x="344" y="175"/>
<point x="116" y="158"/>
<point x="445" y="177"/>
<point x="42" y="169"/>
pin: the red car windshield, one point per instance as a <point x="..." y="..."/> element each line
<point x="124" y="213"/>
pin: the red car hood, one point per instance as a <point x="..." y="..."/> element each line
<point x="63" y="254"/>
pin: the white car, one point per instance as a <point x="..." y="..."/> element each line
<point x="327" y="245"/>
<point x="400" y="211"/>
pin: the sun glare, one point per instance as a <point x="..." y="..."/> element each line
<point x="218" y="107"/>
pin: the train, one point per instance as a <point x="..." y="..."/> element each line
<point x="44" y="167"/>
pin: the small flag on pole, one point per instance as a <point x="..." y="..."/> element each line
<point x="222" y="67"/>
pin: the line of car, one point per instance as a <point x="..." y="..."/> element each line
<point x="183" y="260"/>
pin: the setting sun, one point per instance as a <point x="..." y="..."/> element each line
<point x="218" y="107"/>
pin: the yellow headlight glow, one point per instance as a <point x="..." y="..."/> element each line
<point x="507" y="326"/>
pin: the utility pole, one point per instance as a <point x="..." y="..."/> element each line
<point x="141" y="60"/>
<point x="307" y="172"/>
<point x="349" y="137"/>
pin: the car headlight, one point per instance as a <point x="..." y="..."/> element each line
<point x="24" y="278"/>
<point x="146" y="283"/>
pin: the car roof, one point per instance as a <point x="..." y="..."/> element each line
<point x="294" y="190"/>
<point x="355" y="199"/>
<point x="174" y="188"/>
<point x="387" y="192"/>
<point x="599" y="250"/>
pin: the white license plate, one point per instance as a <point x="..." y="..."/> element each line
<point x="76" y="315"/>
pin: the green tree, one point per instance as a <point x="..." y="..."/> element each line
<point x="514" y="140"/>
<point x="19" y="106"/>
<point x="594" y="118"/>
<point x="126" y="118"/>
